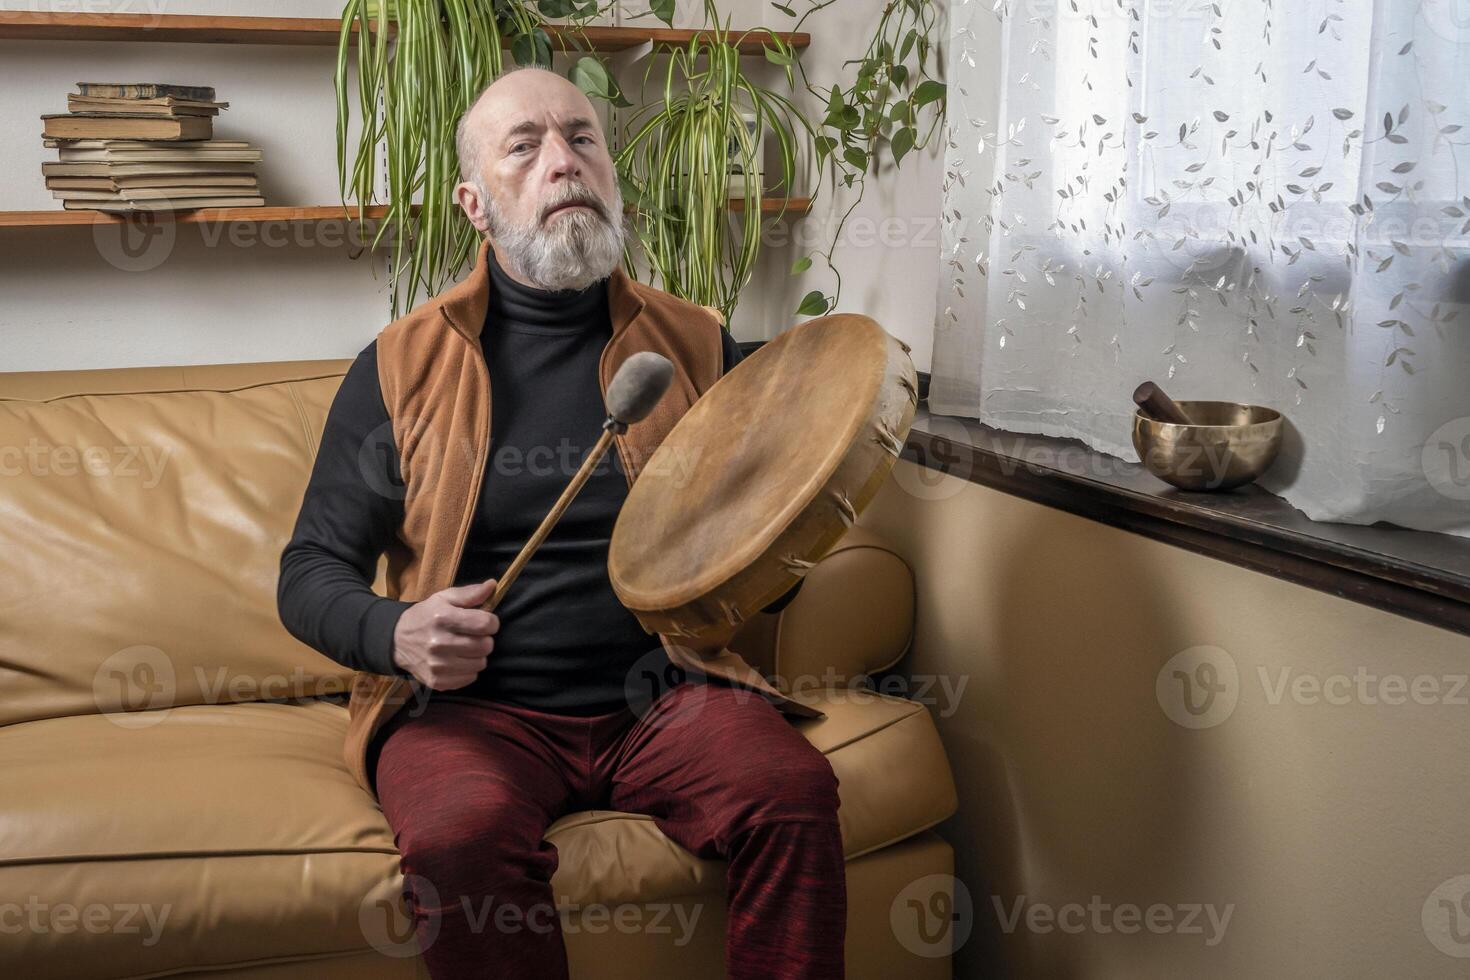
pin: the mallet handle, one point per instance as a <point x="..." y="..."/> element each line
<point x="549" y="521"/>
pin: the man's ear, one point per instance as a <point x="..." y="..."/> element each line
<point x="467" y="196"/>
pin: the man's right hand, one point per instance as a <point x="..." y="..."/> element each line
<point x="445" y="640"/>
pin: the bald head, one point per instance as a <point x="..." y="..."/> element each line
<point x="537" y="178"/>
<point x="523" y="84"/>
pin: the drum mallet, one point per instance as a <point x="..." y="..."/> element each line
<point x="637" y="386"/>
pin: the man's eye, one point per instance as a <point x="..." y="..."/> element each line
<point x="584" y="136"/>
<point x="517" y="148"/>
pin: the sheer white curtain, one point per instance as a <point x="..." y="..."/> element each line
<point x="1247" y="200"/>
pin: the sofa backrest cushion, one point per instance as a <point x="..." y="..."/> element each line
<point x="142" y="517"/>
<point x="853" y="618"/>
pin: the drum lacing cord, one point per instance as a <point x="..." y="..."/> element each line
<point x="797" y="565"/>
<point x="733" y="616"/>
<point x="845" y="509"/>
<point x="884" y="435"/>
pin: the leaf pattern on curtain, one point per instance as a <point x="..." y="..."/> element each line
<point x="1257" y="201"/>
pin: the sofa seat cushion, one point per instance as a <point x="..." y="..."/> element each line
<point x="212" y="835"/>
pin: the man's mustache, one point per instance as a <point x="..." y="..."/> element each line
<point x="578" y="197"/>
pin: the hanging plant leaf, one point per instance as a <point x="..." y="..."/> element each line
<point x="812" y="304"/>
<point x="590" y="75"/>
<point x="908" y="44"/>
<point x="928" y="91"/>
<point x="784" y="9"/>
<point x="801" y="265"/>
<point x="776" y="57"/>
<point x="523" y="49"/>
<point x="903" y="141"/>
<point x="855" y="156"/>
<point x="543" y="46"/>
<point x="663" y="10"/>
<point x="556" y="8"/>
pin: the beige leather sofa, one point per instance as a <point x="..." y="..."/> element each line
<point x="174" y="800"/>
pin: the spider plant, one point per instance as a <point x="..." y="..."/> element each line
<point x="679" y="157"/>
<point x="443" y="52"/>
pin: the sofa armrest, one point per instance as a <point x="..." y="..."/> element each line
<point x="853" y="616"/>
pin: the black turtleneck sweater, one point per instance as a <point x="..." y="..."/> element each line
<point x="566" y="644"/>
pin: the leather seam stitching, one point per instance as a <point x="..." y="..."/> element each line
<point x="185" y="856"/>
<point x="170" y="391"/>
<point x="311" y="444"/>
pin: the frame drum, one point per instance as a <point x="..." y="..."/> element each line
<point x="762" y="476"/>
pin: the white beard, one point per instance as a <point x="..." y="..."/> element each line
<point x="572" y="251"/>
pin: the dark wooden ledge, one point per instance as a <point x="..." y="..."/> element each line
<point x="1417" y="574"/>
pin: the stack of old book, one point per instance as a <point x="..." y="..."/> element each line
<point x="146" y="147"/>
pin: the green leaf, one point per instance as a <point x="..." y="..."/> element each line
<point x="590" y="76"/>
<point x="855" y="156"/>
<point x="899" y="74"/>
<point x="928" y="91"/>
<point x="777" y="57"/>
<point x="784" y="9"/>
<point x="834" y="101"/>
<point x="908" y="43"/>
<point x="812" y="304"/>
<point x="801" y="265"/>
<point x="523" y="49"/>
<point x="556" y="8"/>
<point x="903" y="141"/>
<point x="663" y="10"/>
<point x="543" y="46"/>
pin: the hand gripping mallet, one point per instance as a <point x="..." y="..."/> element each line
<point x="637" y="386"/>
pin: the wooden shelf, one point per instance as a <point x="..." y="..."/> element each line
<point x="57" y="218"/>
<point x="41" y="219"/>
<point x="28" y="25"/>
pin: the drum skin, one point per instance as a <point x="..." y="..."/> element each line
<point x="763" y="475"/>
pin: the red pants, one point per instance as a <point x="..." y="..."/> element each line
<point x="470" y="788"/>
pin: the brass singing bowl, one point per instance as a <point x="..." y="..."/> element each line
<point x="1228" y="445"/>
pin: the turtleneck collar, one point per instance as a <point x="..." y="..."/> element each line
<point x="517" y="305"/>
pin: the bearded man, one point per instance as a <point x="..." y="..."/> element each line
<point x="451" y="436"/>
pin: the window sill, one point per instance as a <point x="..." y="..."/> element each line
<point x="1416" y="574"/>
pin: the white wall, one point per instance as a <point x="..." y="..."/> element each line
<point x="287" y="292"/>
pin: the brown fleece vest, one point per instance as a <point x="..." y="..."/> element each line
<point x="436" y="387"/>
